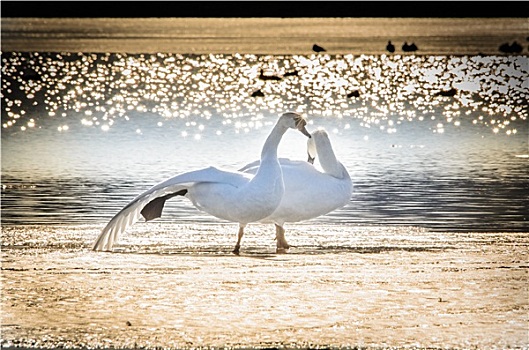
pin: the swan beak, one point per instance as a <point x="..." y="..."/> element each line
<point x="300" y="124"/>
<point x="304" y="131"/>
<point x="311" y="159"/>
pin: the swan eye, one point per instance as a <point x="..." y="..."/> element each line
<point x="300" y="121"/>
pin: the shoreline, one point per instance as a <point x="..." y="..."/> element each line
<point x="272" y="36"/>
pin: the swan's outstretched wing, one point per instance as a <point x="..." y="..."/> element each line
<point x="251" y="168"/>
<point x="150" y="203"/>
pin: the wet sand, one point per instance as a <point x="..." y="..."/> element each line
<point x="341" y="286"/>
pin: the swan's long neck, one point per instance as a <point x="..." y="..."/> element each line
<point x="269" y="177"/>
<point x="269" y="151"/>
<point x="328" y="161"/>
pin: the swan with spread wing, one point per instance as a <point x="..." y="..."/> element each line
<point x="231" y="195"/>
<point x="309" y="192"/>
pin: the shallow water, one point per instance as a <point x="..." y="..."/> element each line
<point x="431" y="251"/>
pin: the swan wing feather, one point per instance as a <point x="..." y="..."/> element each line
<point x="131" y="213"/>
<point x="251" y="168"/>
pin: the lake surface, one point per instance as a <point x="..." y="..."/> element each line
<point x="272" y="36"/>
<point x="431" y="250"/>
<point x="84" y="133"/>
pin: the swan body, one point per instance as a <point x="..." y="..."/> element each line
<point x="231" y="195"/>
<point x="309" y="192"/>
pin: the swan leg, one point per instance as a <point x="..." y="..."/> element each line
<point x="282" y="245"/>
<point x="239" y="237"/>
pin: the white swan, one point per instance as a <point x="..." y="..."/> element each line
<point x="230" y="195"/>
<point x="309" y="192"/>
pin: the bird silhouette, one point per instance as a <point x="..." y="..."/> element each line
<point x="505" y="47"/>
<point x="409" y="47"/>
<point x="354" y="93"/>
<point x="448" y="93"/>
<point x="512" y="48"/>
<point x="317" y="48"/>
<point x="516" y="48"/>
<point x="390" y="47"/>
<point x="262" y="76"/>
<point x="257" y="93"/>
<point x="291" y="73"/>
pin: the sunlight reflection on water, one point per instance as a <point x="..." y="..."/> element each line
<point x="104" y="88"/>
<point x="83" y="133"/>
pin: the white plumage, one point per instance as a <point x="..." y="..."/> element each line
<point x="309" y="192"/>
<point x="230" y="195"/>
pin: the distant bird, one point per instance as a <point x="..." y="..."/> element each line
<point x="317" y="48"/>
<point x="516" y="48"/>
<point x="291" y="73"/>
<point x="257" y="93"/>
<point x="390" y="47"/>
<point x="513" y="48"/>
<point x="409" y="48"/>
<point x="505" y="47"/>
<point x="262" y="76"/>
<point x="448" y="93"/>
<point x="354" y="93"/>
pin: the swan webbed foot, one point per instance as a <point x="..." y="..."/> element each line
<point x="281" y="250"/>
<point x="236" y="250"/>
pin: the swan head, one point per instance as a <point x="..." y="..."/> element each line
<point x="311" y="150"/>
<point x="295" y="120"/>
<point x="318" y="136"/>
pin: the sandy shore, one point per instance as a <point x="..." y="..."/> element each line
<point x="177" y="286"/>
<point x="280" y="36"/>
